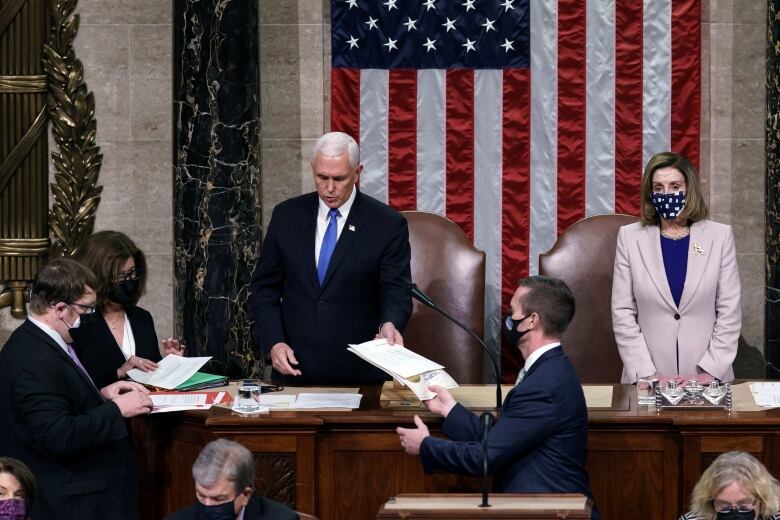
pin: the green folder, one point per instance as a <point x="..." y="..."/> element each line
<point x="201" y="380"/>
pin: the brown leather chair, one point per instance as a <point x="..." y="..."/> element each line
<point x="584" y="257"/>
<point x="452" y="272"/>
<point x="304" y="516"/>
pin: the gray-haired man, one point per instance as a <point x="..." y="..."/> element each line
<point x="224" y="476"/>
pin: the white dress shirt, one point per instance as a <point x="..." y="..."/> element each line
<point x="322" y="222"/>
<point x="51" y="332"/>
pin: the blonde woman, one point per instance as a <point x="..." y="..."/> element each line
<point x="735" y="487"/>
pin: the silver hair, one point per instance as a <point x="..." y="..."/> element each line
<point x="225" y="458"/>
<point x="334" y="144"/>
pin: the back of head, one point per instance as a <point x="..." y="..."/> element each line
<point x="61" y="280"/>
<point x="224" y="458"/>
<point x="745" y="469"/>
<point x="104" y="253"/>
<point x="23" y="474"/>
<point x="552" y="300"/>
<point x="334" y="144"/>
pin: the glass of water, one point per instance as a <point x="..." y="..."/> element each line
<point x="645" y="389"/>
<point x="248" y="396"/>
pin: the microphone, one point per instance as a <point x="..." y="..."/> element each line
<point x="486" y="419"/>
<point x="419" y="295"/>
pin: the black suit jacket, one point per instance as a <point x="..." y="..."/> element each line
<point x="57" y="422"/>
<point x="258" y="508"/>
<point x="539" y="443"/>
<point x="363" y="288"/>
<point x="99" y="352"/>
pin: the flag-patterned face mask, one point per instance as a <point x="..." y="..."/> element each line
<point x="668" y="205"/>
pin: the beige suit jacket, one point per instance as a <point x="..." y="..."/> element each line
<point x="651" y="333"/>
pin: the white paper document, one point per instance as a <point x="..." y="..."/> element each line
<point x="178" y="400"/>
<point x="408" y="368"/>
<point x="171" y="371"/>
<point x="283" y="401"/>
<point x="766" y="394"/>
<point x="328" y="401"/>
<point x="394" y="358"/>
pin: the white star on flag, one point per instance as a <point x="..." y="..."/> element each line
<point x="429" y="4"/>
<point x="390" y="44"/>
<point x="468" y="4"/>
<point x="507" y="5"/>
<point x="429" y="45"/>
<point x="372" y="23"/>
<point x="391" y="4"/>
<point x="507" y="45"/>
<point x="352" y="3"/>
<point x="469" y="45"/>
<point x="449" y="24"/>
<point x="353" y="42"/>
<point x="410" y="24"/>
<point x="488" y="25"/>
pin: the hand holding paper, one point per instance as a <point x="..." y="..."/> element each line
<point x="171" y="371"/>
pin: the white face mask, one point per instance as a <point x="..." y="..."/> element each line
<point x="75" y="323"/>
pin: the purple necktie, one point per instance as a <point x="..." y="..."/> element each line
<point x="75" y="358"/>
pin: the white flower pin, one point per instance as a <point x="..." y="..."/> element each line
<point x="697" y="249"/>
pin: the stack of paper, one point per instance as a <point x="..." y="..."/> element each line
<point x="178" y="402"/>
<point x="766" y="394"/>
<point x="171" y="371"/>
<point x="407" y="367"/>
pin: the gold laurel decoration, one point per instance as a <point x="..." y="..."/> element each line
<point x="72" y="113"/>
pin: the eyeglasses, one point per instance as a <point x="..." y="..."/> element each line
<point x="130" y="274"/>
<point x="743" y="506"/>
<point x="88" y="309"/>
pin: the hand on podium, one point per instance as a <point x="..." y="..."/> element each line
<point x="411" y="438"/>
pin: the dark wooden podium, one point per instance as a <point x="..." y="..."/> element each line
<point x="508" y="505"/>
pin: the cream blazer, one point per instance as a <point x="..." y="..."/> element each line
<point x="648" y="325"/>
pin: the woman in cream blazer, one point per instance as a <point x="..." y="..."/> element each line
<point x="675" y="289"/>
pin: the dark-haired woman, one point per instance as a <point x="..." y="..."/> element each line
<point x="17" y="490"/>
<point x="122" y="335"/>
<point x="675" y="290"/>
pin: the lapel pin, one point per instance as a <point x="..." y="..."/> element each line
<point x="351" y="227"/>
<point x="697" y="249"/>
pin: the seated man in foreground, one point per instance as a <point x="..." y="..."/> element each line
<point x="539" y="443"/>
<point x="224" y="474"/>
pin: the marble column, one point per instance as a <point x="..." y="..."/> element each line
<point x="216" y="177"/>
<point x="772" y="322"/>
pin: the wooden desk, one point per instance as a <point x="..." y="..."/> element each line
<point x="345" y="465"/>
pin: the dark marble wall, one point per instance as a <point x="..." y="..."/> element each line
<point x="772" y="323"/>
<point x="216" y="158"/>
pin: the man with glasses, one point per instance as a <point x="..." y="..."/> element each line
<point x="70" y="433"/>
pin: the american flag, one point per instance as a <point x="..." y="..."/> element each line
<point x="514" y="118"/>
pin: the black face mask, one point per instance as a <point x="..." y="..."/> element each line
<point x="511" y="334"/>
<point x="226" y="511"/>
<point x="123" y="293"/>
<point x="736" y="515"/>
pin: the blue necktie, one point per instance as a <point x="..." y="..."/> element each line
<point x="328" y="244"/>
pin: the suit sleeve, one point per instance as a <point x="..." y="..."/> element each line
<point x="50" y="414"/>
<point x="720" y="354"/>
<point x="265" y="301"/>
<point x="395" y="272"/>
<point x="628" y="336"/>
<point x="526" y="421"/>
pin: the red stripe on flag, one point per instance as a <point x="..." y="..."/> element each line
<point x="686" y="78"/>
<point x="571" y="112"/>
<point x="515" y="196"/>
<point x="345" y="101"/>
<point x="459" y="203"/>
<point x="402" y="140"/>
<point x="628" y="106"/>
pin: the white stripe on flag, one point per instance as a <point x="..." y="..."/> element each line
<point x="544" y="124"/>
<point x="374" y="87"/>
<point x="657" y="78"/>
<point x="600" y="109"/>
<point x="431" y="148"/>
<point x="488" y="138"/>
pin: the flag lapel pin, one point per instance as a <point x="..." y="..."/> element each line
<point x="697" y="249"/>
<point x="351" y="227"/>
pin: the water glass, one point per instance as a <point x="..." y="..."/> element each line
<point x="248" y="396"/>
<point x="645" y="389"/>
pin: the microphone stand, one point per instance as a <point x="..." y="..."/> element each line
<point x="486" y="419"/>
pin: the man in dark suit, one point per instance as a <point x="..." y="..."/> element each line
<point x="332" y="272"/>
<point x="539" y="443"/>
<point x="71" y="434"/>
<point x="224" y="474"/>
